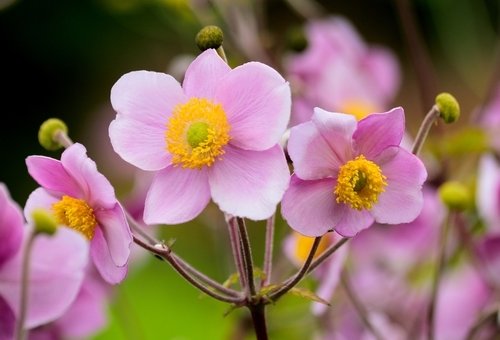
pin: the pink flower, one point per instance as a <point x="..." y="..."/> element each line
<point x="57" y="266"/>
<point x="85" y="317"/>
<point x="215" y="137"/>
<point x="348" y="174"/>
<point x="488" y="193"/>
<point x="339" y="72"/>
<point x="83" y="199"/>
<point x="297" y="247"/>
<point x="490" y="119"/>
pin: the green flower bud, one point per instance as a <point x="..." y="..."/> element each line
<point x="48" y="131"/>
<point x="44" y="221"/>
<point x="209" y="37"/>
<point x="454" y="195"/>
<point x="449" y="109"/>
<point x="296" y="39"/>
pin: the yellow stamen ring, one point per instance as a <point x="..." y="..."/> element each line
<point x="196" y="133"/>
<point x="359" y="183"/>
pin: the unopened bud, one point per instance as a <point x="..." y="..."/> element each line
<point x="48" y="131"/>
<point x="449" y="109"/>
<point x="44" y="222"/>
<point x="454" y="195"/>
<point x="209" y="37"/>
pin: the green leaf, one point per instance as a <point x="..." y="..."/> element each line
<point x="307" y="294"/>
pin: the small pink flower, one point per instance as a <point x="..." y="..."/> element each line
<point x="349" y="174"/>
<point x="82" y="199"/>
<point x="215" y="137"/>
<point x="488" y="193"/>
<point x="340" y="72"/>
<point x="57" y="267"/>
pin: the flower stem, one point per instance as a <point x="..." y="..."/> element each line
<point x="62" y="138"/>
<point x="324" y="255"/>
<point x="424" y="129"/>
<point x="23" y="308"/>
<point x="437" y="276"/>
<point x="292" y="282"/>
<point x="259" y="320"/>
<point x="268" y="254"/>
<point x="356" y="302"/>
<point x="489" y="316"/>
<point x="247" y="256"/>
<point x="165" y="253"/>
<point x="236" y="248"/>
<point x="221" y="53"/>
<point x="181" y="262"/>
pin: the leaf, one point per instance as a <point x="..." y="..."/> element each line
<point x="307" y="294"/>
<point x="231" y="280"/>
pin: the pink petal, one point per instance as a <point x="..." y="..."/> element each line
<point x="101" y="257"/>
<point x="50" y="174"/>
<point x="39" y="199"/>
<point x="177" y="195"/>
<point x="11" y="225"/>
<point x="257" y="102"/>
<point x="313" y="151"/>
<point x="57" y="269"/>
<point x="309" y="207"/>
<point x="7" y="321"/>
<point x="383" y="67"/>
<point x="330" y="279"/>
<point x="249" y="183"/>
<point x="204" y="75"/>
<point x="115" y="229"/>
<point x="140" y="143"/>
<point x="377" y="132"/>
<point x="353" y="221"/>
<point x="402" y="200"/>
<point x="488" y="190"/>
<point x="146" y="96"/>
<point x="97" y="190"/>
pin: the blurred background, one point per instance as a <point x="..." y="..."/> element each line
<point x="61" y="58"/>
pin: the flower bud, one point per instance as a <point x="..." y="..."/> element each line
<point x="209" y="37"/>
<point x="48" y="131"/>
<point x="44" y="222"/>
<point x="454" y="195"/>
<point x="449" y="109"/>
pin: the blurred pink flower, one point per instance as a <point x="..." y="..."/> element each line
<point x="85" y="317"/>
<point x="490" y="119"/>
<point x="339" y="72"/>
<point x="215" y="137"/>
<point x="83" y="199"/>
<point x="57" y="266"/>
<point x="296" y="247"/>
<point x="349" y="174"/>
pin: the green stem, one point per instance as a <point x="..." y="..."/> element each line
<point x="23" y="308"/>
<point x="424" y="129"/>
<point x="247" y="256"/>
<point x="268" y="254"/>
<point x="259" y="320"/>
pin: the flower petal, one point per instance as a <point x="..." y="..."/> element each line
<point x="312" y="156"/>
<point x="97" y="190"/>
<point x="488" y="192"/>
<point x="249" y="183"/>
<point x="257" y="102"/>
<point x="50" y="174"/>
<point x="204" y="75"/>
<point x="146" y="96"/>
<point x="57" y="267"/>
<point x="309" y="207"/>
<point x="177" y="195"/>
<point x="11" y="225"/>
<point x="115" y="229"/>
<point x="402" y="200"/>
<point x="7" y="321"/>
<point x="101" y="257"/>
<point x="377" y="132"/>
<point x="140" y="143"/>
<point x="38" y="199"/>
<point x="353" y="221"/>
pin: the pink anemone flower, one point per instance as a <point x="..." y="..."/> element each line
<point x="57" y="267"/>
<point x="82" y="199"/>
<point x="348" y="174"/>
<point x="215" y="137"/>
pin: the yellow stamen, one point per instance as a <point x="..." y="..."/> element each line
<point x="303" y="245"/>
<point x="358" y="109"/>
<point x="359" y="183"/>
<point x="196" y="133"/>
<point x="75" y="214"/>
